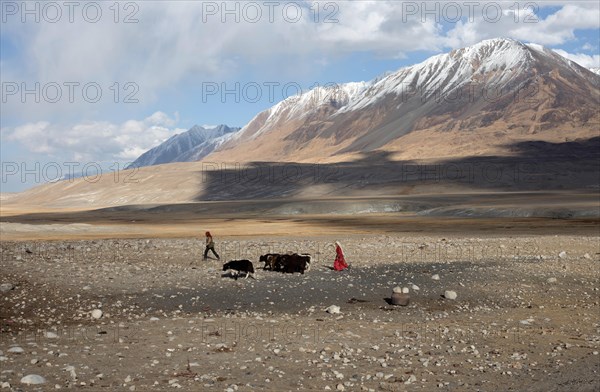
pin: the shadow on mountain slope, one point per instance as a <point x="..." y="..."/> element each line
<point x="541" y="180"/>
<point x="534" y="166"/>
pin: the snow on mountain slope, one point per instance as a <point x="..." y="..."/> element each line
<point x="497" y="82"/>
<point x="443" y="73"/>
<point x="188" y="146"/>
<point x="299" y="106"/>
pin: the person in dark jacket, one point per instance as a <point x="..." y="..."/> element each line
<point x="210" y="245"/>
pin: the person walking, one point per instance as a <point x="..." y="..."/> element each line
<point x="210" y="245"/>
<point x="340" y="261"/>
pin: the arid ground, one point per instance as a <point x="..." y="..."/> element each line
<point x="525" y="317"/>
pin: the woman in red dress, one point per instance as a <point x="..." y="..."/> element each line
<point x="340" y="262"/>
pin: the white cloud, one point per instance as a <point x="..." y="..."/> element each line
<point x="173" y="41"/>
<point x="527" y="24"/>
<point x="585" y="60"/>
<point x="94" y="141"/>
<point x="177" y="45"/>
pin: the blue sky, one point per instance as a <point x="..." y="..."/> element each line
<point x="171" y="57"/>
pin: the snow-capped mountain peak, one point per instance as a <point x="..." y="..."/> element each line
<point x="440" y="74"/>
<point x="188" y="146"/>
<point x="498" y="81"/>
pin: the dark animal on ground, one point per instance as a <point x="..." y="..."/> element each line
<point x="270" y="260"/>
<point x="290" y="263"/>
<point x="238" y="266"/>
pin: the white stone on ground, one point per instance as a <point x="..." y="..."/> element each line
<point x="96" y="313"/>
<point x="33" y="379"/>
<point x="333" y="309"/>
<point x="449" y="294"/>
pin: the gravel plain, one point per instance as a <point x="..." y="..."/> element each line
<point x="149" y="314"/>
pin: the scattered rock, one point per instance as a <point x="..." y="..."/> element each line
<point x="71" y="370"/>
<point x="401" y="299"/>
<point x="33" y="379"/>
<point x="16" y="350"/>
<point x="96" y="313"/>
<point x="562" y="254"/>
<point x="551" y="280"/>
<point x="333" y="309"/>
<point x="449" y="294"/>
<point x="5" y="287"/>
<point x="435" y="277"/>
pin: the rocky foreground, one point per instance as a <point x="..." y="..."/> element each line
<point x="487" y="313"/>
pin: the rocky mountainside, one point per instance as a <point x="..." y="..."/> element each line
<point x="189" y="146"/>
<point x="470" y="101"/>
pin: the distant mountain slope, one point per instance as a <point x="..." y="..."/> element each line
<point x="569" y="168"/>
<point x="189" y="146"/>
<point x="466" y="102"/>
